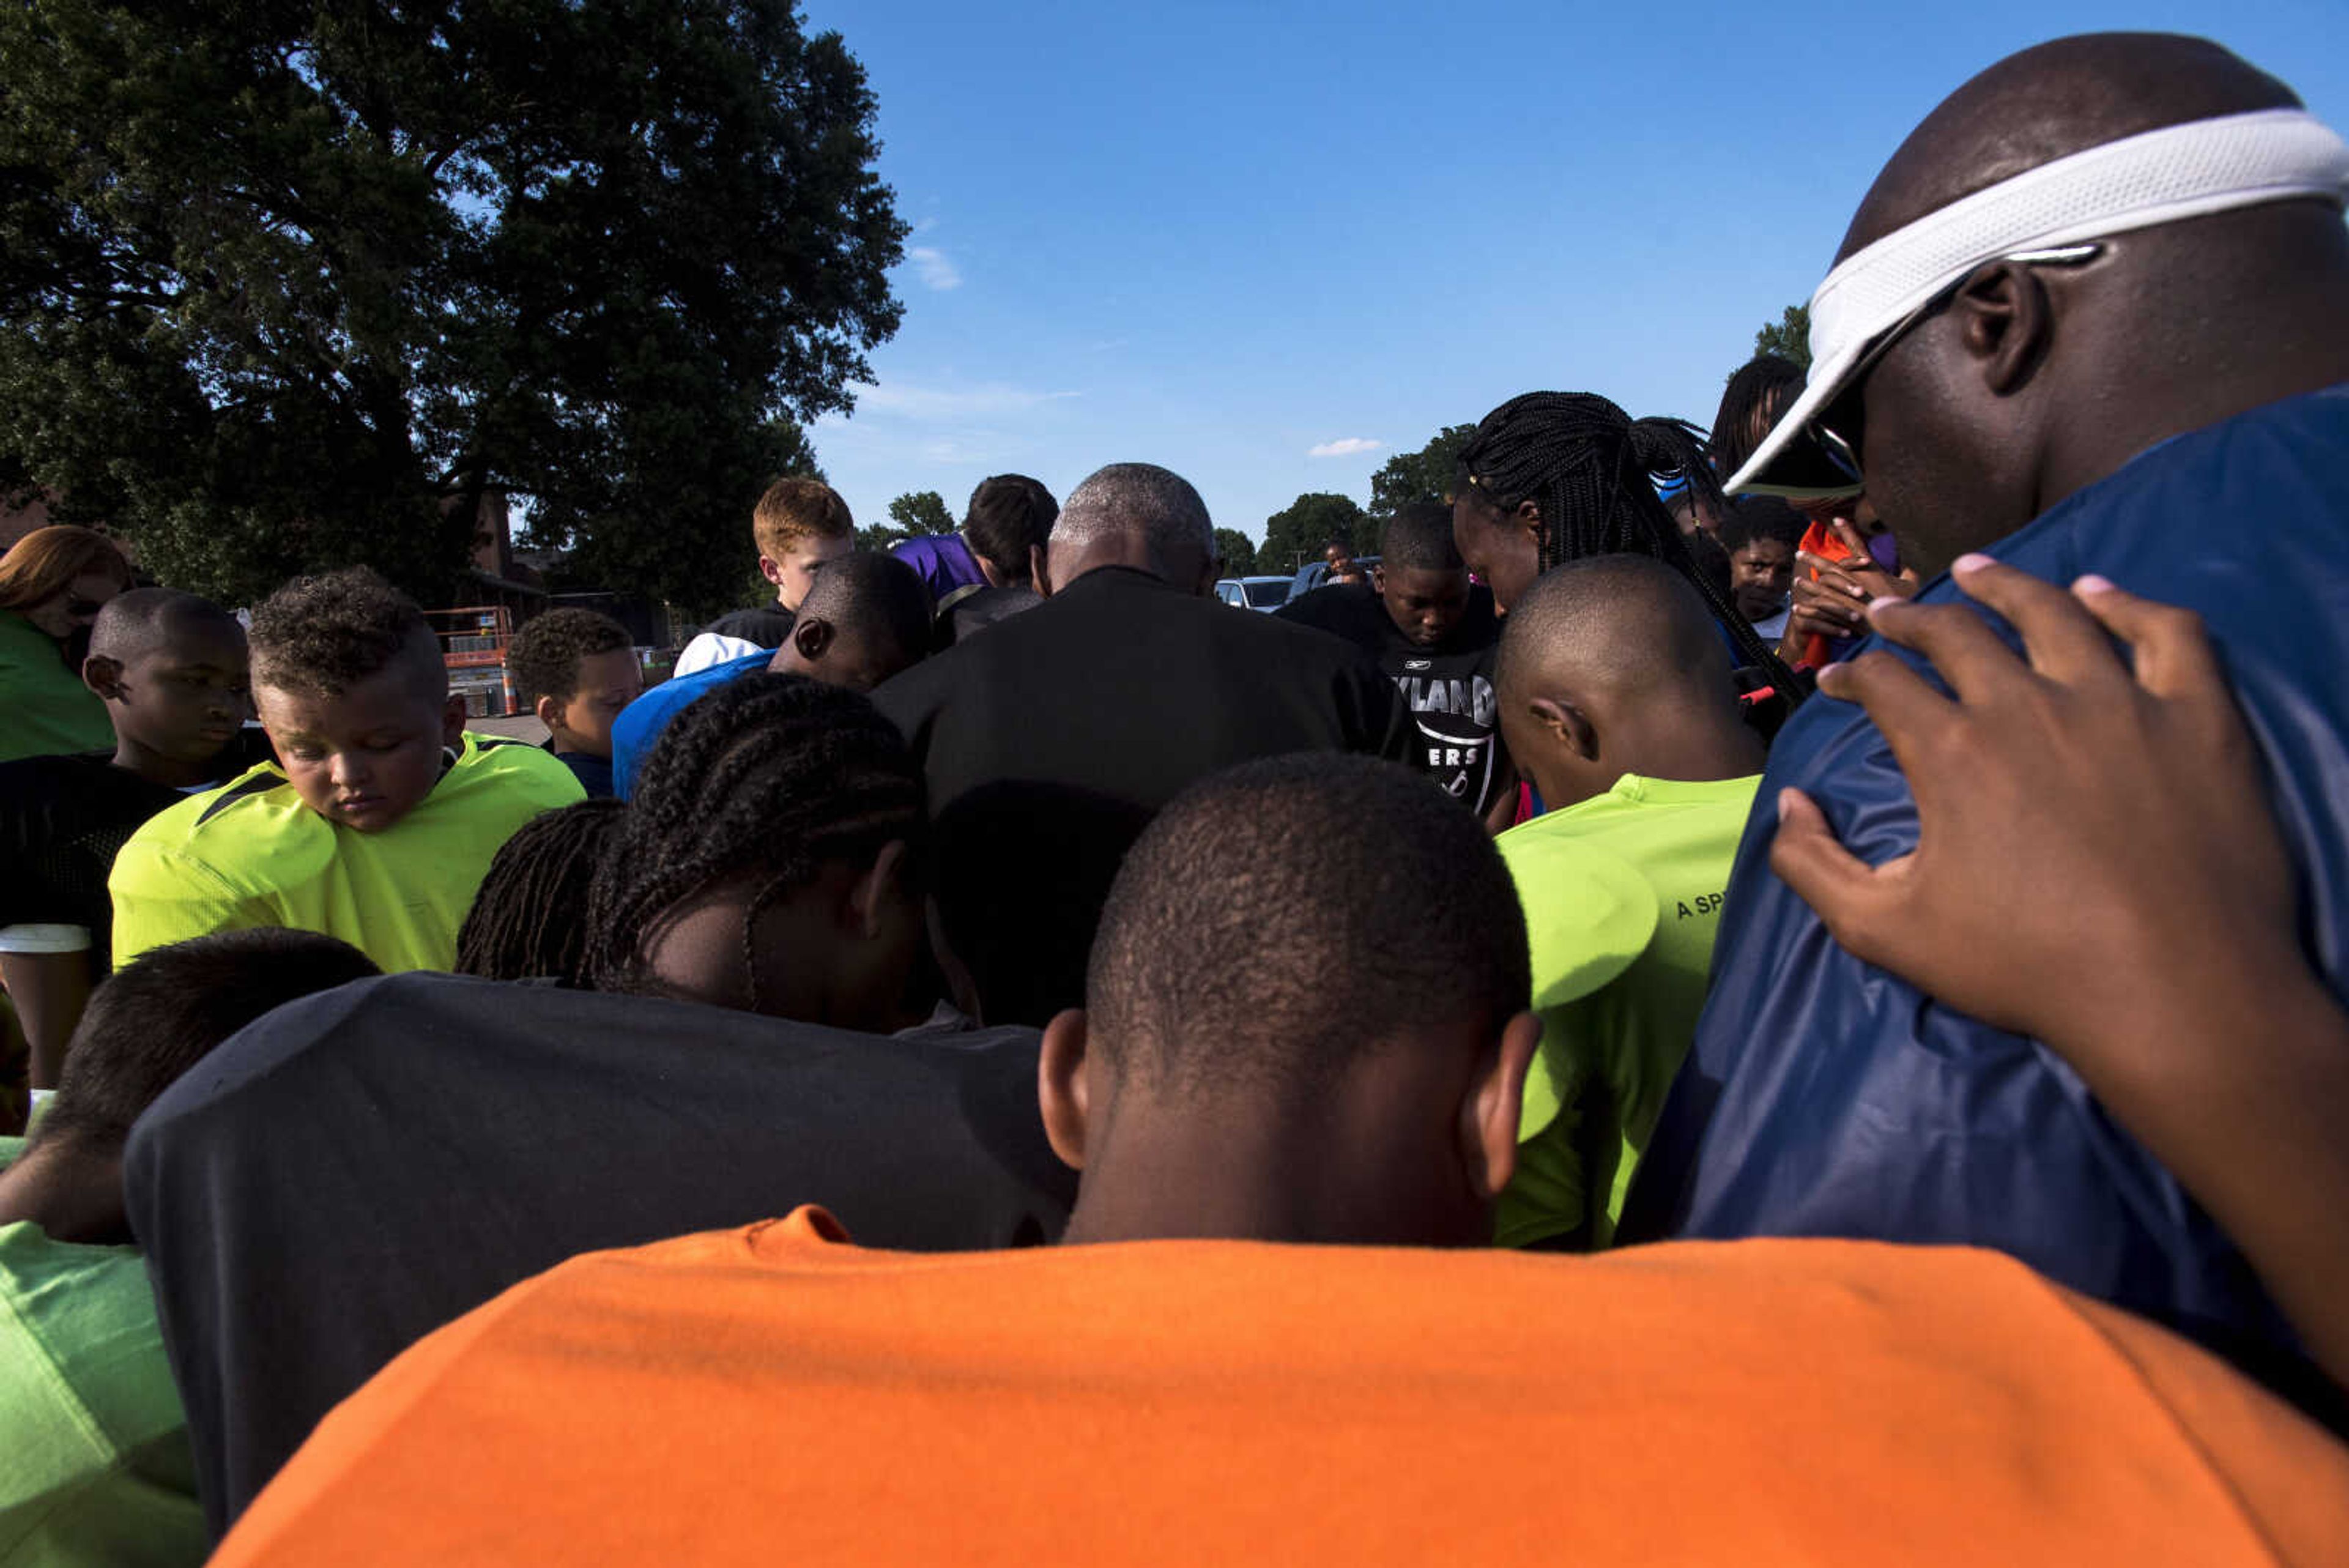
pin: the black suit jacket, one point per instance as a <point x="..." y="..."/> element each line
<point x="1050" y="742"/>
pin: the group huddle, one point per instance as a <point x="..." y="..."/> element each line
<point x="1002" y="1056"/>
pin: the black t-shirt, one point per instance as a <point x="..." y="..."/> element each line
<point x="1448" y="688"/>
<point x="766" y="625"/>
<point x="975" y="609"/>
<point x="1050" y="742"/>
<point x="63" y="820"/>
<point x="359" y="1168"/>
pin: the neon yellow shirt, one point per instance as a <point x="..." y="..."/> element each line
<point x="1610" y="1051"/>
<point x="250" y="854"/>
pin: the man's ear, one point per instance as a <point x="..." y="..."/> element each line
<point x="1209" y="570"/>
<point x="1040" y="569"/>
<point x="1488" y="1115"/>
<point x="453" y="721"/>
<point x="1379" y="580"/>
<point x="103" y="675"/>
<point x="1527" y="519"/>
<point x="871" y="896"/>
<point x="1567" y="723"/>
<point x="812" y="637"/>
<point x="549" y="712"/>
<point x="1063" y="1089"/>
<point x="2005" y="320"/>
<point x="772" y="570"/>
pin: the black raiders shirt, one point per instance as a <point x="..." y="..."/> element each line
<point x="1448" y="688"/>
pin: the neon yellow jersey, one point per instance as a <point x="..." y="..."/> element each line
<point x="1609" y="1050"/>
<point x="250" y="854"/>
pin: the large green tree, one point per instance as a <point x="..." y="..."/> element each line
<point x="294" y="285"/>
<point x="1238" y="552"/>
<point x="921" y="512"/>
<point x="1789" y="337"/>
<point x="1409" y="476"/>
<point x="1296" y="532"/>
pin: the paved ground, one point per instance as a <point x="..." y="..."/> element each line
<point x="523" y="728"/>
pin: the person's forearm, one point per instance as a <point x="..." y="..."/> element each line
<point x="50" y="989"/>
<point x="2242" y="1088"/>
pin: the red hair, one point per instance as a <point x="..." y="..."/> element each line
<point x="40" y="566"/>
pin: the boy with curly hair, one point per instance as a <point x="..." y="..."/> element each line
<point x="380" y="818"/>
<point x="576" y="670"/>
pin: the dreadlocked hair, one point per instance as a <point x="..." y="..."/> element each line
<point x="529" y="921"/>
<point x="1592" y="471"/>
<point x="758" y="785"/>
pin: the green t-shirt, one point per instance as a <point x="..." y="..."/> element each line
<point x="1609" y="1053"/>
<point x="94" y="1461"/>
<point x="44" y="709"/>
<point x="250" y="854"/>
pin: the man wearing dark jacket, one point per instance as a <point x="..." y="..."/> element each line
<point x="1049" y="744"/>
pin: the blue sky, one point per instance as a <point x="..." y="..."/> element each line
<point x="1221" y="237"/>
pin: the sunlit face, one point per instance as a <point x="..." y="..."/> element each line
<point x="62" y="615"/>
<point x="794" y="573"/>
<point x="366" y="756"/>
<point x="608" y="683"/>
<point x="186" y="698"/>
<point x="1424" y="604"/>
<point x="1761" y="573"/>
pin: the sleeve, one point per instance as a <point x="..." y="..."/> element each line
<point x="162" y="896"/>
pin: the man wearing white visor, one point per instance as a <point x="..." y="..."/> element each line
<point x="2092" y="318"/>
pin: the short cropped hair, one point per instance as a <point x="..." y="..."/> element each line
<point x="1144" y="501"/>
<point x="543" y="658"/>
<point x="1010" y="515"/>
<point x="133" y="622"/>
<point x="1420" y="539"/>
<point x="1284" y="919"/>
<point x="796" y="509"/>
<point x="872" y="597"/>
<point x="1753" y="517"/>
<point x="1624" y="622"/>
<point x="166" y="1010"/>
<point x="323" y="634"/>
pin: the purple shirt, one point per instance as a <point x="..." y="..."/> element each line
<point x="944" y="562"/>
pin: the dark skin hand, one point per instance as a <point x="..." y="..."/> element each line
<point x="2095" y="868"/>
<point x="1835" y="603"/>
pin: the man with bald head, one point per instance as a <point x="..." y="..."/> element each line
<point x="1049" y="744"/>
<point x="1618" y="701"/>
<point x="2092" y="318"/>
<point x="171" y="669"/>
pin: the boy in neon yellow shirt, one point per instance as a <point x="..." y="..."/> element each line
<point x="380" y="817"/>
<point x="1617" y="700"/>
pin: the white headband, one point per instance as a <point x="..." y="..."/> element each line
<point x="2157" y="177"/>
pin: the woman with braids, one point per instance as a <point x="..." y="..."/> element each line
<point x="529" y="921"/>
<point x="1556" y="476"/>
<point x="772" y="860"/>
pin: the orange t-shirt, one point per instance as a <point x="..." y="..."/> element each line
<point x="770" y="1395"/>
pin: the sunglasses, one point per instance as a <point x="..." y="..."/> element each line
<point x="1838" y="427"/>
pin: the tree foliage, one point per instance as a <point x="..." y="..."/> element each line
<point x="285" y="286"/>
<point x="1296" y="532"/>
<point x="1409" y="476"/>
<point x="1789" y="337"/>
<point x="921" y="512"/>
<point x="1238" y="552"/>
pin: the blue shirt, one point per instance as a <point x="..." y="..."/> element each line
<point x="944" y="560"/>
<point x="640" y="724"/>
<point x="1823" y="1097"/>
<point x="593" y="772"/>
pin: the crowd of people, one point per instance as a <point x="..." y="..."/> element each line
<point x="1769" y="991"/>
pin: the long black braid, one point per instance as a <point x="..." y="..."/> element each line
<point x="1591" y="468"/>
<point x="529" y="921"/>
<point x="761" y="782"/>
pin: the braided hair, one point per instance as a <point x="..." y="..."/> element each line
<point x="759" y="783"/>
<point x="529" y="921"/>
<point x="1591" y="468"/>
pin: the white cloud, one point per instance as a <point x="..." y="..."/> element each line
<point x="1350" y="447"/>
<point x="935" y="269"/>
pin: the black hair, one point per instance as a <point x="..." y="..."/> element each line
<point x="1282" y="919"/>
<point x="141" y="618"/>
<point x="1711" y="560"/>
<point x="1759" y="391"/>
<point x="1621" y="622"/>
<point x="1009" y="515"/>
<point x="1753" y="517"/>
<point x="325" y="634"/>
<point x="543" y="658"/>
<point x="166" y="1010"/>
<point x="761" y="784"/>
<point x="529" y="921"/>
<point x="874" y="597"/>
<point x="1419" y="538"/>
<point x="1591" y="468"/>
